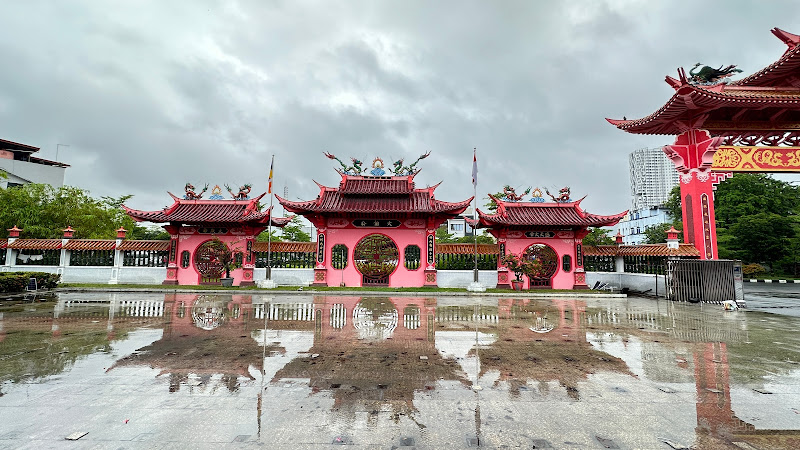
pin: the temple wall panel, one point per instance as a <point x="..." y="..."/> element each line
<point x="190" y="242"/>
<point x="401" y="277"/>
<point x="561" y="279"/>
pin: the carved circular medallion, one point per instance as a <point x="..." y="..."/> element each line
<point x="376" y="256"/>
<point x="206" y="259"/>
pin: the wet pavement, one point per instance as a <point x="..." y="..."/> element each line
<point x="114" y="370"/>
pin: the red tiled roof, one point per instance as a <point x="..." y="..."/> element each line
<point x="332" y="201"/>
<point x="36" y="244"/>
<point x="209" y="211"/>
<point x="3" y="243"/>
<point x="376" y="186"/>
<point x="90" y="244"/>
<point x="10" y="145"/>
<point x="769" y="87"/>
<point x="544" y="215"/>
<point x="144" y="245"/>
<point x="468" y="249"/>
<point x="307" y="247"/>
<point x="683" y="250"/>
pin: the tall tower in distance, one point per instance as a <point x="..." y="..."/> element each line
<point x="652" y="178"/>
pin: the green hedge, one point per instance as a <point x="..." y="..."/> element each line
<point x="18" y="281"/>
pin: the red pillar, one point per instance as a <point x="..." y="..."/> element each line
<point x="693" y="154"/>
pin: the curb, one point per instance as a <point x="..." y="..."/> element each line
<point x="753" y="280"/>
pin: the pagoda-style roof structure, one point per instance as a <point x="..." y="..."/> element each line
<point x="209" y="211"/>
<point x="532" y="215"/>
<point x="761" y="101"/>
<point x="390" y="195"/>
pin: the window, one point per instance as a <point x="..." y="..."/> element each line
<point x="412" y="257"/>
<point x="339" y="256"/>
<point x="456" y="227"/>
<point x="185" y="257"/>
<point x="566" y="263"/>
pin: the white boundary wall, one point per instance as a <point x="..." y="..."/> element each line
<point x="462" y="278"/>
<point x="640" y="282"/>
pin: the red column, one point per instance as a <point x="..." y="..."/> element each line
<point x="503" y="275"/>
<point x="248" y="265"/>
<point x="577" y="257"/>
<point x="693" y="154"/>
<point x="172" y="264"/>
<point x="321" y="269"/>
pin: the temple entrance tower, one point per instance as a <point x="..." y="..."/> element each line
<point x="749" y="125"/>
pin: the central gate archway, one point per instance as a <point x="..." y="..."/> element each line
<point x="207" y="263"/>
<point x="547" y="264"/>
<point x="376" y="257"/>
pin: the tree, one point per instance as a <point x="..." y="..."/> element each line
<point x="293" y="231"/>
<point x="598" y="236"/>
<point x="491" y="205"/>
<point x="264" y="236"/>
<point x="763" y="237"/>
<point x="154" y="233"/>
<point x="482" y="239"/>
<point x="673" y="205"/>
<point x="443" y="237"/>
<point x="657" y="234"/>
<point x="43" y="212"/>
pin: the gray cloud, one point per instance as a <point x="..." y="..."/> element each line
<point x="150" y="95"/>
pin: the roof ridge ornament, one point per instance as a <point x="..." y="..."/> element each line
<point x="355" y="169"/>
<point x="400" y="170"/>
<point x="191" y="194"/>
<point x="708" y="76"/>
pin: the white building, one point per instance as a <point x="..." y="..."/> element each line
<point x="21" y="167"/>
<point x="653" y="176"/>
<point x="634" y="223"/>
<point x="458" y="226"/>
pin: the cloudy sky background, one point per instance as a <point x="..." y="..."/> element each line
<point x="151" y="94"/>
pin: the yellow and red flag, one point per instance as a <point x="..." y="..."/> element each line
<point x="269" y="189"/>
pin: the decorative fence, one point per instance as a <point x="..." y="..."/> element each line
<point x="599" y="263"/>
<point x="144" y="253"/>
<point x="707" y="281"/>
<point x="289" y="255"/>
<point x="462" y="256"/>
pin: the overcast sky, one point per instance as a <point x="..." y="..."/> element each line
<point x="151" y="94"/>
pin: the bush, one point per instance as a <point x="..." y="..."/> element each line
<point x="753" y="270"/>
<point x="17" y="281"/>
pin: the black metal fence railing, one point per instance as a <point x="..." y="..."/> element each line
<point x="145" y="258"/>
<point x="91" y="258"/>
<point x="645" y="264"/>
<point x="287" y="260"/>
<point x="599" y="263"/>
<point x="38" y="257"/>
<point x="456" y="261"/>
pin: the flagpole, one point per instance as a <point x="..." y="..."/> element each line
<point x="269" y="226"/>
<point x="475" y="208"/>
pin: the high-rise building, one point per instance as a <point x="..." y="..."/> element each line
<point x="652" y="178"/>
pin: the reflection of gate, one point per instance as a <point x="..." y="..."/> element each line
<point x="206" y="261"/>
<point x="547" y="263"/>
<point x="376" y="256"/>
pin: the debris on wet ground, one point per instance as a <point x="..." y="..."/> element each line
<point x="76" y="435"/>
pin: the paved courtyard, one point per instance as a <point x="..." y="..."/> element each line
<point x="113" y="370"/>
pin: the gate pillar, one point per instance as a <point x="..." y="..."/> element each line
<point x="693" y="155"/>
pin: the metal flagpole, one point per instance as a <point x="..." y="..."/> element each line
<point x="475" y="208"/>
<point x="269" y="226"/>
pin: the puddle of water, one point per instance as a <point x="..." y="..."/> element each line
<point x="396" y="372"/>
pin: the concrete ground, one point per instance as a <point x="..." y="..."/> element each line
<point x="145" y="370"/>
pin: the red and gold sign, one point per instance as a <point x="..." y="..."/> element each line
<point x="734" y="158"/>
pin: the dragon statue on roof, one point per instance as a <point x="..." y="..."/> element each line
<point x="400" y="170"/>
<point x="511" y="195"/>
<point x="710" y="75"/>
<point x="191" y="194"/>
<point x="243" y="193"/>
<point x="563" y="195"/>
<point x="355" y="169"/>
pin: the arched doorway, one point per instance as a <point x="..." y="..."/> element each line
<point x="376" y="257"/>
<point x="207" y="263"/>
<point x="546" y="261"/>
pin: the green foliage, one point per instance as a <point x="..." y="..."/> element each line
<point x="443" y="237"/>
<point x="490" y="204"/>
<point x="264" y="236"/>
<point x="293" y="231"/>
<point x="657" y="234"/>
<point x="154" y="233"/>
<point x="522" y="265"/>
<point x="43" y="211"/>
<point x="598" y="236"/>
<point x="482" y="239"/>
<point x="673" y="205"/>
<point x="18" y="281"/>
<point x="753" y="270"/>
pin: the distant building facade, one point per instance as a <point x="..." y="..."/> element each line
<point x="21" y="167"/>
<point x="653" y="177"/>
<point x="458" y="226"/>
